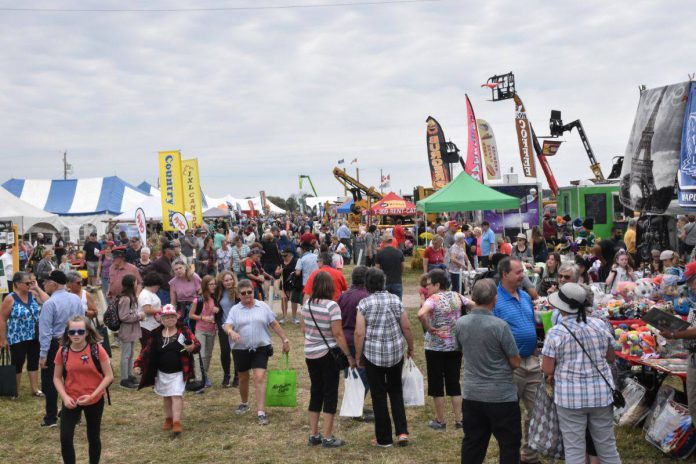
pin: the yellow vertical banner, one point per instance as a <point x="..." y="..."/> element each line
<point x="192" y="190"/>
<point x="171" y="187"/>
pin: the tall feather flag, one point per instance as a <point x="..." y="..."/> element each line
<point x="473" y="165"/>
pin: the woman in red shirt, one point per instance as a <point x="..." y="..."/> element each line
<point x="434" y="256"/>
<point x="81" y="385"/>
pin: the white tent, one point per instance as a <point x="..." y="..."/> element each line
<point x="243" y="203"/>
<point x="24" y="214"/>
<point x="314" y="201"/>
<point x="151" y="205"/>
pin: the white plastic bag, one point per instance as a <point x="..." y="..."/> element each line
<point x="412" y="384"/>
<point x="353" y="395"/>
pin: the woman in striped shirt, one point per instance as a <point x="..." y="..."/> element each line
<point x="321" y="325"/>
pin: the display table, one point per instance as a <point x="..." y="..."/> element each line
<point x="662" y="366"/>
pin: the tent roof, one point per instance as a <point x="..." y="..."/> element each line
<point x="466" y="194"/>
<point x="96" y="195"/>
<point x="392" y="204"/>
<point x="345" y="207"/>
<point x="22" y="213"/>
<point x="215" y="212"/>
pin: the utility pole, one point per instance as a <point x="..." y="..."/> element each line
<point x="67" y="167"/>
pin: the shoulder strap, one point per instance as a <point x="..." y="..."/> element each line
<point x="309" y="306"/>
<point x="64" y="355"/>
<point x="588" y="356"/>
<point x="94" y="350"/>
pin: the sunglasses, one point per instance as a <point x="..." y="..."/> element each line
<point x="73" y="332"/>
<point x="563" y="276"/>
<point x="248" y="292"/>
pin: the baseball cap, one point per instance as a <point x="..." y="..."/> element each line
<point x="666" y="254"/>
<point x="387" y="237"/>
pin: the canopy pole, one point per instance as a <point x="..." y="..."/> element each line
<point x="519" y="211"/>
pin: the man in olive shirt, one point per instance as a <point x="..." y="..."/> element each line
<point x="490" y="404"/>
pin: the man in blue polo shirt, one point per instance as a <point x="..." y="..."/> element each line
<point x="514" y="306"/>
<point x="487" y="244"/>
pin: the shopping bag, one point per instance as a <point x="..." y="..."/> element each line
<point x="8" y="375"/>
<point x="544" y="433"/>
<point x="353" y="395"/>
<point x="281" y="387"/>
<point x="672" y="431"/>
<point x="412" y="384"/>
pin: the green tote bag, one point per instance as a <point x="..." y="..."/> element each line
<point x="281" y="387"/>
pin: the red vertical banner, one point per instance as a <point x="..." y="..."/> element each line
<point x="524" y="139"/>
<point x="473" y="165"/>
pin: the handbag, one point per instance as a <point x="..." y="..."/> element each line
<point x="544" y="434"/>
<point x="104" y="333"/>
<point x="8" y="375"/>
<point x="618" y="399"/>
<point x="281" y="386"/>
<point x="336" y="353"/>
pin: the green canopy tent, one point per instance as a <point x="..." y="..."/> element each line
<point x="466" y="194"/>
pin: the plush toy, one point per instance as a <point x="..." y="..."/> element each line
<point x="645" y="288"/>
<point x="648" y="343"/>
<point x="682" y="305"/>
<point x="626" y="290"/>
<point x="672" y="294"/>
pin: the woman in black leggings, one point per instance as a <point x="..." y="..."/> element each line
<point x="82" y="373"/>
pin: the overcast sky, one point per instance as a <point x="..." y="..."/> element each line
<point x="260" y="96"/>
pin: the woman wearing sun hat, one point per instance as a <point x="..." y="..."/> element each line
<point x="576" y="355"/>
<point x="522" y="251"/>
<point x="166" y="362"/>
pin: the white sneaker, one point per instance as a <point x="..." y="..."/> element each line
<point x="295" y="321"/>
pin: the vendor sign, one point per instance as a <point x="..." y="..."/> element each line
<point x="435" y="140"/>
<point x="171" y="187"/>
<point x="192" y="190"/>
<point x="687" y="155"/>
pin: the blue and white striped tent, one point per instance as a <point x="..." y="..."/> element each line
<point x="82" y="205"/>
<point x="75" y="197"/>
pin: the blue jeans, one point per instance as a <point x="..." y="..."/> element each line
<point x="164" y="296"/>
<point x="396" y="289"/>
<point x="437" y="266"/>
<point x="455" y="278"/>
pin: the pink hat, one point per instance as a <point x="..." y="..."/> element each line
<point x="167" y="310"/>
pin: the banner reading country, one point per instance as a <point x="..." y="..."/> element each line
<point x="473" y="165"/>
<point x="435" y="140"/>
<point x="192" y="190"/>
<point x="524" y="138"/>
<point x="489" y="149"/>
<point x="171" y="186"/>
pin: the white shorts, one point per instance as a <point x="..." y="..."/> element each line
<point x="170" y="384"/>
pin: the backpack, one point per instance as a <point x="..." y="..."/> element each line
<point x="111" y="319"/>
<point x="94" y="351"/>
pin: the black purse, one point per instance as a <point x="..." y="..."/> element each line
<point x="619" y="400"/>
<point x="336" y="353"/>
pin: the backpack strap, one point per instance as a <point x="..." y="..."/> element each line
<point x="94" y="350"/>
<point x="64" y="356"/>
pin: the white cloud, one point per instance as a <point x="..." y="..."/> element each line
<point x="262" y="96"/>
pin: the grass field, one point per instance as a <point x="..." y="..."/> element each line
<point x="131" y="428"/>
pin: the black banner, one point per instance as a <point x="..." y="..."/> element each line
<point x="435" y="140"/>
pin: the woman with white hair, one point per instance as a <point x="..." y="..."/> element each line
<point x="144" y="262"/>
<point x="458" y="261"/>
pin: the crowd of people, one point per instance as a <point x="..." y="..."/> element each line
<point x="174" y="297"/>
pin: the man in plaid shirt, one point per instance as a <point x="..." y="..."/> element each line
<point x="380" y="323"/>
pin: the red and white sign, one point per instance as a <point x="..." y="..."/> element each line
<point x="179" y="221"/>
<point x="141" y="224"/>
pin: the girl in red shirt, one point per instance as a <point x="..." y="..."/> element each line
<point x="81" y="385"/>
